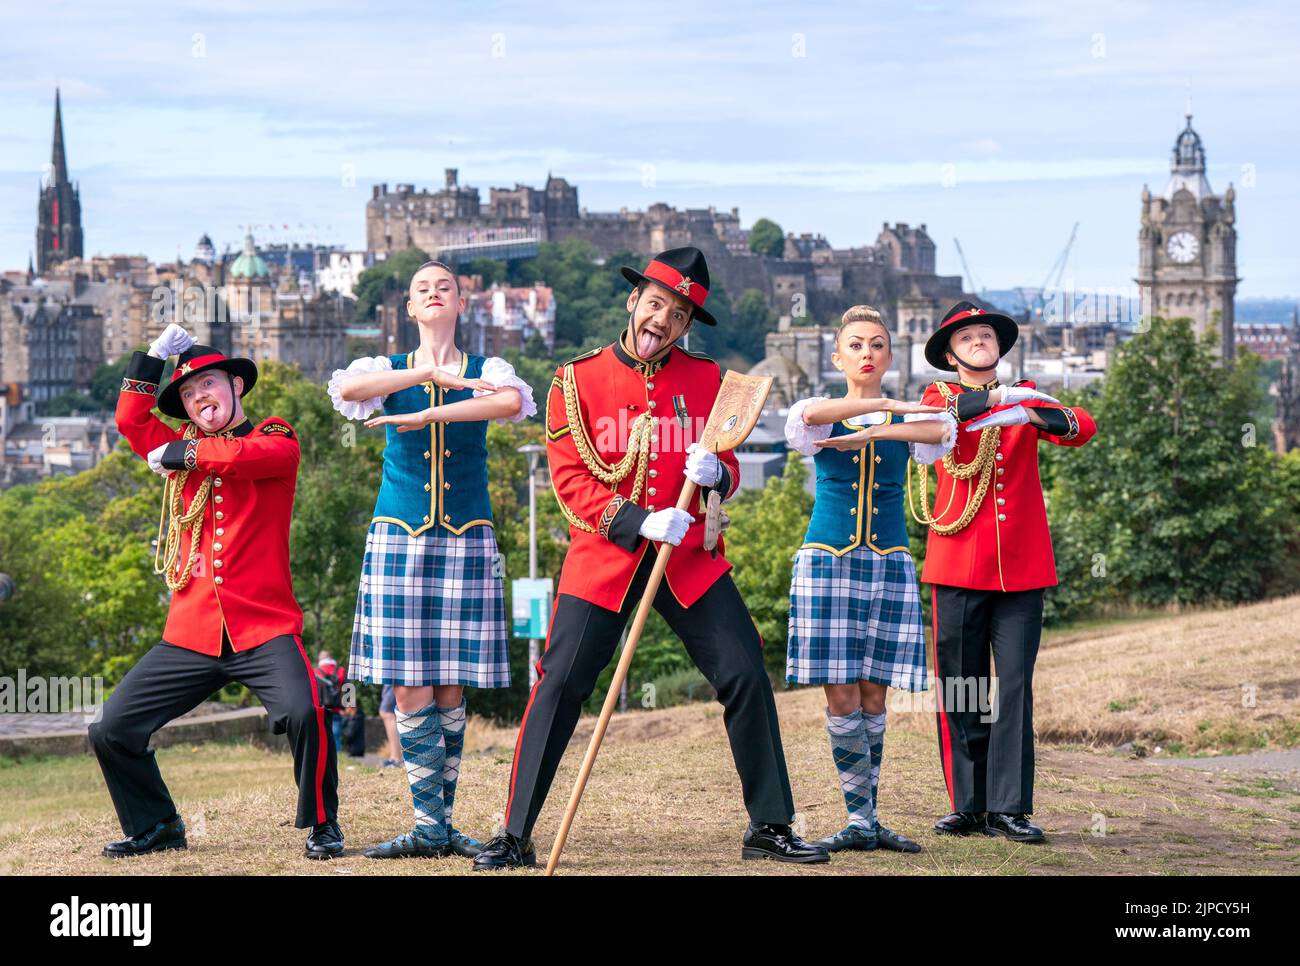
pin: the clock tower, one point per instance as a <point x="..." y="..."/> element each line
<point x="1187" y="246"/>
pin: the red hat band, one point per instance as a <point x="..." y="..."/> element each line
<point x="184" y="370"/>
<point x="675" y="280"/>
<point x="963" y="316"/>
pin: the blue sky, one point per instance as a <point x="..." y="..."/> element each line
<point x="998" y="123"/>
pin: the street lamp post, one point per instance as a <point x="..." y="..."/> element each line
<point x="534" y="452"/>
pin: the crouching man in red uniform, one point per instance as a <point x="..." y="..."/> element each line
<point x="619" y="458"/>
<point x="988" y="559"/>
<point x="233" y="616"/>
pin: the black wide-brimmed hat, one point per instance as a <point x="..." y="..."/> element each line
<point x="961" y="315"/>
<point x="682" y="270"/>
<point x="202" y="358"/>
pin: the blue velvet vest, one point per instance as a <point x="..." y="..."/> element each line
<point x="860" y="496"/>
<point x="435" y="476"/>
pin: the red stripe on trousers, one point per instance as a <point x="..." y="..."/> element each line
<point x="523" y="722"/>
<point x="945" y="739"/>
<point x="320" y="738"/>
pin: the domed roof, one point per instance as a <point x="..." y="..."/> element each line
<point x="249" y="264"/>
<point x="779" y="367"/>
<point x="1187" y="165"/>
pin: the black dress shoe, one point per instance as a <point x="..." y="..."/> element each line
<point x="506" y="851"/>
<point x="1017" y="828"/>
<point x="779" y="843"/>
<point x="165" y="835"/>
<point x="408" y="846"/>
<point x="852" y="838"/>
<point x="961" y="823"/>
<point x="324" y="841"/>
<point x="891" y="841"/>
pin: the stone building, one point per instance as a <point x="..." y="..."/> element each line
<point x="1187" y="246"/>
<point x="58" y="210"/>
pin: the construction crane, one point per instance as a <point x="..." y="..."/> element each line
<point x="1051" y="284"/>
<point x="975" y="286"/>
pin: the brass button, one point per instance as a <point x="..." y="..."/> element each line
<point x="652" y="491"/>
<point x="221" y="532"/>
<point x="427" y="487"/>
<point x="216" y="563"/>
<point x="216" y="481"/>
<point x="1001" y="470"/>
<point x="427" y="454"/>
<point x="216" y="546"/>
<point x="1002" y="501"/>
<point x="216" y="580"/>
<point x="217" y="498"/>
<point x="446" y="486"/>
<point x="654" y="456"/>
<point x="653" y="404"/>
<point x="1002" y="517"/>
<point x="649" y="385"/>
<point x="220" y="515"/>
<point x="1001" y="486"/>
<point x="654" y="473"/>
<point x="997" y="456"/>
<point x="650" y="506"/>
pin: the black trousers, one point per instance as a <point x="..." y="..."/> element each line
<point x="987" y="748"/>
<point x="724" y="644"/>
<point x="169" y="681"/>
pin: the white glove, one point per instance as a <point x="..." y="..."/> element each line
<point x="666" y="526"/>
<point x="1019" y="394"/>
<point x="702" y="466"/>
<point x="155" y="461"/>
<point x="173" y="341"/>
<point x="1006" y="417"/>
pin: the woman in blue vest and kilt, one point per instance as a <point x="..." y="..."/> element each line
<point x="855" y="608"/>
<point x="430" y="616"/>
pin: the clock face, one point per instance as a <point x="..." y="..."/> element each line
<point x="1183" y="247"/>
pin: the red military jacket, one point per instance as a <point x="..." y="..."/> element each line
<point x="241" y="579"/>
<point x="1007" y="545"/>
<point x="608" y="390"/>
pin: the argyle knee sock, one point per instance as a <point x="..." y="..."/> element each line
<point x="423" y="753"/>
<point x="848" y="734"/>
<point x="453" y="731"/>
<point x="875" y="738"/>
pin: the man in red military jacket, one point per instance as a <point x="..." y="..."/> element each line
<point x="621" y="424"/>
<point x="233" y="616"/>
<point x="988" y="559"/>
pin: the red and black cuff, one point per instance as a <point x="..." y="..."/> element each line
<point x="1059" y="422"/>
<point x="143" y="374"/>
<point x="620" y="524"/>
<point x="183" y="454"/>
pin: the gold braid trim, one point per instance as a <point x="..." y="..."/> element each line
<point x="170" y="547"/>
<point x="982" y="464"/>
<point x="636" y="459"/>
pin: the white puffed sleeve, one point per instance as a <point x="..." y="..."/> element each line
<point x="802" y="437"/>
<point x="933" y="452"/>
<point x="359" y="409"/>
<point x="501" y="374"/>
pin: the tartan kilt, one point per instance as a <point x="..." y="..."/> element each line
<point x="430" y="610"/>
<point x="854" y="618"/>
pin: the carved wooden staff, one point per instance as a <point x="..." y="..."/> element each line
<point x="735" y="411"/>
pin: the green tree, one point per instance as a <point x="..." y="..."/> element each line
<point x="766" y="238"/>
<point x="389" y="276"/>
<point x="1177" y="500"/>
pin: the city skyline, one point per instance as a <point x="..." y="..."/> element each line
<point x="215" y="120"/>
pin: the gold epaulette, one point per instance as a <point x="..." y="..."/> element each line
<point x="586" y="355"/>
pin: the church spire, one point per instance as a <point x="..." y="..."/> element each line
<point x="58" y="160"/>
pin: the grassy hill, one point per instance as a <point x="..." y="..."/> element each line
<point x="665" y="799"/>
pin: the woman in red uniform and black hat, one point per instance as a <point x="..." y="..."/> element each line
<point x="233" y="617"/>
<point x="988" y="559"/>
